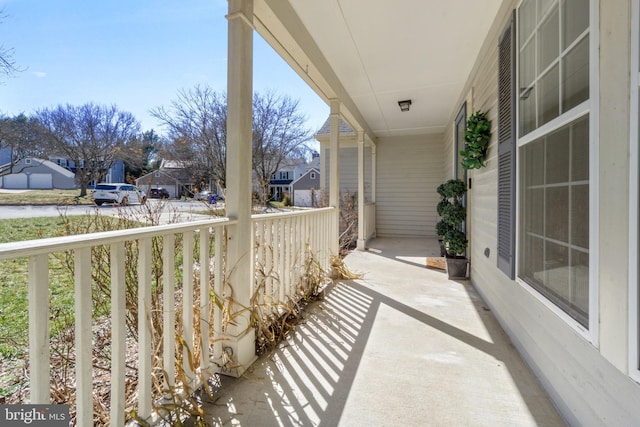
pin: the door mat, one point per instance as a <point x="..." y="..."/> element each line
<point x="438" y="263"/>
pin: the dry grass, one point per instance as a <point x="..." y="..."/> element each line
<point x="45" y="197"/>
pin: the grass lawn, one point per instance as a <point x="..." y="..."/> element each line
<point x="14" y="321"/>
<point x="45" y="197"/>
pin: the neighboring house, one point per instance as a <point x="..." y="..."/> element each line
<point x="172" y="176"/>
<point x="31" y="174"/>
<point x="114" y="174"/>
<point x="5" y="155"/>
<point x="305" y="190"/>
<point x="280" y="183"/>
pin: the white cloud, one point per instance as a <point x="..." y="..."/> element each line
<point x="39" y="74"/>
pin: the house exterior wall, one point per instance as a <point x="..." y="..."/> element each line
<point x="41" y="174"/>
<point x="587" y="376"/>
<point x="306" y="182"/>
<point x="409" y="169"/>
<point x="348" y="169"/>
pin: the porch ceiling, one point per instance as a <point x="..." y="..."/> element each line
<point x="373" y="53"/>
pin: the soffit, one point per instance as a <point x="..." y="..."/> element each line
<point x="373" y="53"/>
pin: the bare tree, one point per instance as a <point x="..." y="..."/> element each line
<point x="20" y="138"/>
<point x="92" y="136"/>
<point x="279" y="133"/>
<point x="7" y="64"/>
<point x="197" y="125"/>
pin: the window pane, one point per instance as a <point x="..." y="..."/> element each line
<point x="557" y="213"/>
<point x="549" y="92"/>
<point x="527" y="65"/>
<point x="545" y="5"/>
<point x="556" y="279"/>
<point x="549" y="44"/>
<point x="527" y="110"/>
<point x="580" y="150"/>
<point x="532" y="158"/>
<point x="535" y="211"/>
<point x="532" y="261"/>
<point x="575" y="77"/>
<point x="580" y="215"/>
<point x="557" y="157"/>
<point x="526" y="19"/>
<point x="575" y="19"/>
<point x="553" y="246"/>
<point x="579" y="283"/>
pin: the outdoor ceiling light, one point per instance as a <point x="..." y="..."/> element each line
<point x="404" y="105"/>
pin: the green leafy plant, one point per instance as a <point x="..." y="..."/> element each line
<point x="453" y="214"/>
<point x="476" y="136"/>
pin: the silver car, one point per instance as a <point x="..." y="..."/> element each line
<point x="122" y="194"/>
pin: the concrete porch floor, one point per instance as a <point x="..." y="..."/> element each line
<point x="403" y="346"/>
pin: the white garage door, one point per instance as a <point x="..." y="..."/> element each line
<point x="41" y="181"/>
<point x="17" y="181"/>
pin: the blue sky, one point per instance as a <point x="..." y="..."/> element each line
<point x="135" y="54"/>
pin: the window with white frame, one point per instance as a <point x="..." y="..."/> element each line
<point x="553" y="152"/>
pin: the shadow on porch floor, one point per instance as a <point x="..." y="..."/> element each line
<point x="402" y="346"/>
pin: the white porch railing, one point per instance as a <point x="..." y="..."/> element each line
<point x="282" y="247"/>
<point x="282" y="243"/>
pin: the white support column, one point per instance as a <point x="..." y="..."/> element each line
<point x="240" y="343"/>
<point x="361" y="200"/>
<point x="373" y="173"/>
<point x="334" y="172"/>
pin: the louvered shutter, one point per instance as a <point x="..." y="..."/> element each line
<point x="506" y="150"/>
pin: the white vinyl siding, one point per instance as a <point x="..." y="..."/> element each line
<point x="348" y="170"/>
<point x="409" y="169"/>
<point x="588" y="381"/>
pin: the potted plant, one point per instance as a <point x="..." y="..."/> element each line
<point x="453" y="214"/>
<point x="476" y="141"/>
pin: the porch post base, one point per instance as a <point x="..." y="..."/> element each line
<point x="239" y="354"/>
<point x="362" y="244"/>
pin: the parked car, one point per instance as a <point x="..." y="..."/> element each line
<point x="159" y="193"/>
<point x="118" y="193"/>
<point x="203" y="195"/>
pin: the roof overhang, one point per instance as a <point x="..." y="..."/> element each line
<point x="370" y="54"/>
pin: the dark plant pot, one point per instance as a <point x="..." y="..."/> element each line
<point x="443" y="251"/>
<point x="457" y="267"/>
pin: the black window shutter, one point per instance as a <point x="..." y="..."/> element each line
<point x="507" y="150"/>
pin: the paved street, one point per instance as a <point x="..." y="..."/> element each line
<point x="168" y="210"/>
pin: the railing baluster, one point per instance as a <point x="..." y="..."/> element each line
<point x="38" y="296"/>
<point x="118" y="334"/>
<point x="279" y="251"/>
<point x="204" y="298"/>
<point x="187" y="299"/>
<point x="169" y="308"/>
<point x="84" y="359"/>
<point x="268" y="263"/>
<point x="144" y="328"/>
<point x="259" y="248"/>
<point x="217" y="290"/>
